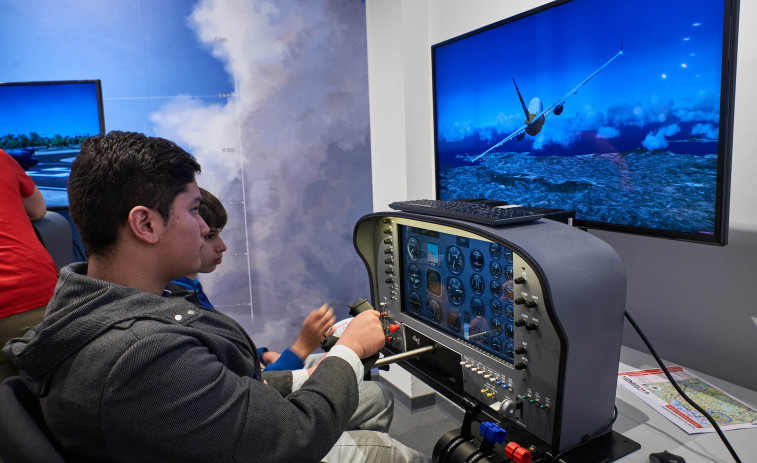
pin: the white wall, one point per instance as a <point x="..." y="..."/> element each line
<point x="694" y="302"/>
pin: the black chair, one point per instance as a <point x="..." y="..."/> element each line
<point x="55" y="233"/>
<point x="22" y="429"/>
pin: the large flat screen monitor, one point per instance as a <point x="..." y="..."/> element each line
<point x="46" y="122"/>
<point x="619" y="110"/>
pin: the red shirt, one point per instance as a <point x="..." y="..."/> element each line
<point x="27" y="272"/>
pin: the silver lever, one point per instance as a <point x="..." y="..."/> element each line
<point x="404" y="355"/>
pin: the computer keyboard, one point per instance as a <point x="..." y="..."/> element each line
<point x="470" y="211"/>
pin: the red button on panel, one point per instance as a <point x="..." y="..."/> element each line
<point x="510" y="448"/>
<point x="517" y="453"/>
<point x="393" y="328"/>
<point x="521" y="455"/>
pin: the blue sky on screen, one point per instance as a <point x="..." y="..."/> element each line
<point x="50" y="109"/>
<point x="667" y="67"/>
<point x="141" y="67"/>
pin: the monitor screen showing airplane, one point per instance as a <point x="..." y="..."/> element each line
<point x="594" y="106"/>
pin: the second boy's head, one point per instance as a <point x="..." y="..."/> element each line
<point x="214" y="214"/>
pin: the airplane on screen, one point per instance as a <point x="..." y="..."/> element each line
<point x="536" y="114"/>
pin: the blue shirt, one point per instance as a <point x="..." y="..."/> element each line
<point x="287" y="361"/>
<point x="194" y="285"/>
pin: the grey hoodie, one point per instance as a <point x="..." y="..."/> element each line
<point x="125" y="375"/>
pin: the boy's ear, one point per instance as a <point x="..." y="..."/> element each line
<point x="145" y="224"/>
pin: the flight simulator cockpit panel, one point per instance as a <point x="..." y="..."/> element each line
<point x="526" y="320"/>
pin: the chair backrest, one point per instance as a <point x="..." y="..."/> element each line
<point x="22" y="429"/>
<point x="55" y="233"/>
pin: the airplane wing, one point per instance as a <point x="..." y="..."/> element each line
<point x="574" y="90"/>
<point x="551" y="108"/>
<point x="517" y="132"/>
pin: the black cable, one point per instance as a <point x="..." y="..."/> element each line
<point x="680" y="391"/>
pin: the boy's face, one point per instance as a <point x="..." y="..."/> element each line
<point x="183" y="235"/>
<point x="211" y="254"/>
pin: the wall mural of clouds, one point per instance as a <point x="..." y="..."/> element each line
<point x="271" y="97"/>
<point x="289" y="153"/>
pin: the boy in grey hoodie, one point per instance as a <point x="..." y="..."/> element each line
<point x="126" y="373"/>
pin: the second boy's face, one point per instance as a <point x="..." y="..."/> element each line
<point x="211" y="254"/>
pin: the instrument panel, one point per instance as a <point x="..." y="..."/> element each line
<point x="468" y="292"/>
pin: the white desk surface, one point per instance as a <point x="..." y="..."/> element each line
<point x="655" y="433"/>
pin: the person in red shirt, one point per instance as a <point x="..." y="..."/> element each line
<point x="27" y="272"/>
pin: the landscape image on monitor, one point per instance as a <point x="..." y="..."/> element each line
<point x="42" y="125"/>
<point x="609" y="108"/>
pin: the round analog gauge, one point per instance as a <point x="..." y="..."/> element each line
<point x="415" y="303"/>
<point x="496" y="325"/>
<point x="413" y="248"/>
<point x="509" y="330"/>
<point x="496" y="307"/>
<point x="477" y="259"/>
<point x="435" y="310"/>
<point x="509" y="350"/>
<point x="509" y="292"/>
<point x="477" y="283"/>
<point x="455" y="260"/>
<point x="495" y="250"/>
<point x="495" y="287"/>
<point x="509" y="272"/>
<point x="433" y="282"/>
<point x="509" y="312"/>
<point x="414" y="275"/>
<point x="496" y="344"/>
<point x="495" y="268"/>
<point x="455" y="290"/>
<point x="508" y="254"/>
<point x="477" y="307"/>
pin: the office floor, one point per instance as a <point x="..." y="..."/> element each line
<point x="421" y="429"/>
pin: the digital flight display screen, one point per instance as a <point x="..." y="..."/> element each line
<point x="460" y="285"/>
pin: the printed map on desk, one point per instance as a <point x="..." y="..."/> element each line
<point x="653" y="388"/>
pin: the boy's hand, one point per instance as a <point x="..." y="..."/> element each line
<point x="364" y="335"/>
<point x="269" y="357"/>
<point x="316" y="325"/>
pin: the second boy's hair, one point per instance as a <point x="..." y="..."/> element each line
<point x="212" y="211"/>
<point x="121" y="170"/>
